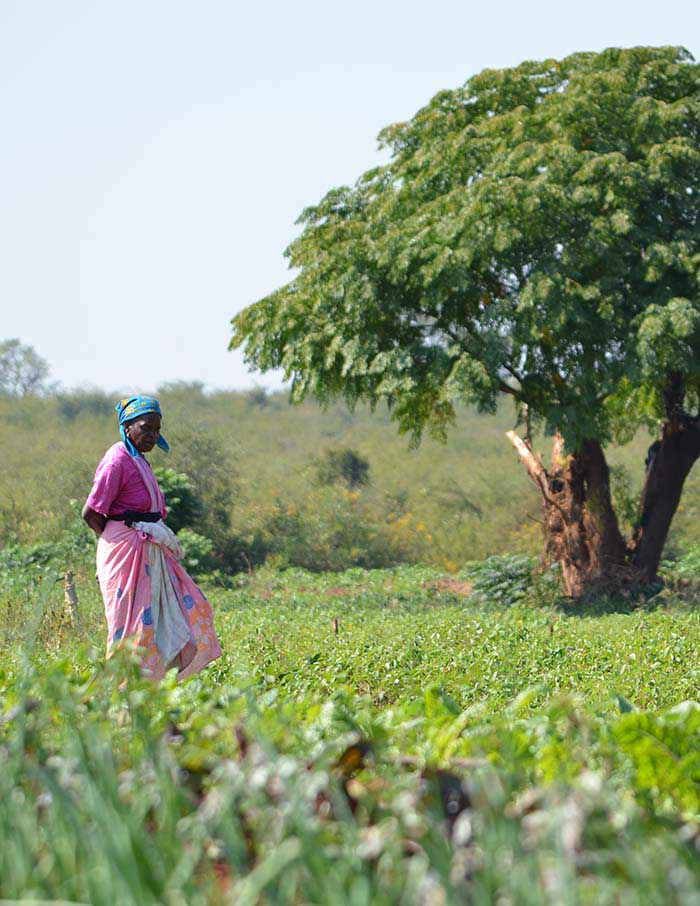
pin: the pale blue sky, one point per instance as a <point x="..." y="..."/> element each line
<point x="154" y="155"/>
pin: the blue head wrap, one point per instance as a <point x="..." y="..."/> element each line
<point x="132" y="407"/>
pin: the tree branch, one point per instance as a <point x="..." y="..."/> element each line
<point x="506" y="388"/>
<point x="532" y="463"/>
<point x="513" y="373"/>
<point x="535" y="469"/>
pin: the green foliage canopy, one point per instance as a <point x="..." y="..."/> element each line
<point x="534" y="232"/>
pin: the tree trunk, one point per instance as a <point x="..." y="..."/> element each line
<point x="669" y="461"/>
<point x="581" y="530"/>
<point x="580" y="525"/>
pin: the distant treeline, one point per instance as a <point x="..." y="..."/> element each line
<point x="299" y="485"/>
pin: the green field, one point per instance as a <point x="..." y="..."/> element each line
<point x="387" y="736"/>
<point x="455" y="732"/>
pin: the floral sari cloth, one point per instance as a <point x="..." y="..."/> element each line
<point x="150" y="599"/>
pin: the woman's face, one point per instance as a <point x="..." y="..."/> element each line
<point x="144" y="431"/>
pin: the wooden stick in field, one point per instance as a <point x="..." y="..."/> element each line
<point x="71" y="598"/>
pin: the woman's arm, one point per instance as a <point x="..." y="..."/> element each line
<point x="105" y="488"/>
<point x="95" y="520"/>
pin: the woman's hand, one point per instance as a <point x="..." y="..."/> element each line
<point x="95" y="520"/>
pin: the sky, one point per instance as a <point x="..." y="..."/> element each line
<point x="154" y="155"/>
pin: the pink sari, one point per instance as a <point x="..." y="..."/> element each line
<point x="125" y="560"/>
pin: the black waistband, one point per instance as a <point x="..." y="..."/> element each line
<point x="131" y="516"/>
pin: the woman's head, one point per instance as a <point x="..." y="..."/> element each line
<point x="139" y="424"/>
<point x="144" y="431"/>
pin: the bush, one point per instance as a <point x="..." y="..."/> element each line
<point x="256" y="397"/>
<point x="208" y="464"/>
<point x="88" y="402"/>
<point x="507" y="580"/>
<point x="685" y="570"/>
<point x="74" y="549"/>
<point x="503" y="580"/>
<point x="330" y="530"/>
<point x="343" y="465"/>
<point x="197" y="549"/>
<point x="184" y="505"/>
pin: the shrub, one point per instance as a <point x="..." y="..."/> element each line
<point x="685" y="570"/>
<point x="329" y="530"/>
<point x="510" y="579"/>
<point x="256" y="397"/>
<point x="343" y="465"/>
<point x="203" y="457"/>
<point x="198" y="559"/>
<point x="184" y="505"/>
<point x="90" y="402"/>
<point x="503" y="579"/>
<point x="74" y="548"/>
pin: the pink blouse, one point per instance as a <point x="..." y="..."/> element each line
<point x="118" y="485"/>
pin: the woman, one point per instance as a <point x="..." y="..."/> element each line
<point x="148" y="596"/>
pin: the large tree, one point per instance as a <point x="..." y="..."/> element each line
<point x="535" y="234"/>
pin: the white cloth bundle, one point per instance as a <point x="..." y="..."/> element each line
<point x="161" y="534"/>
<point x="170" y="626"/>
